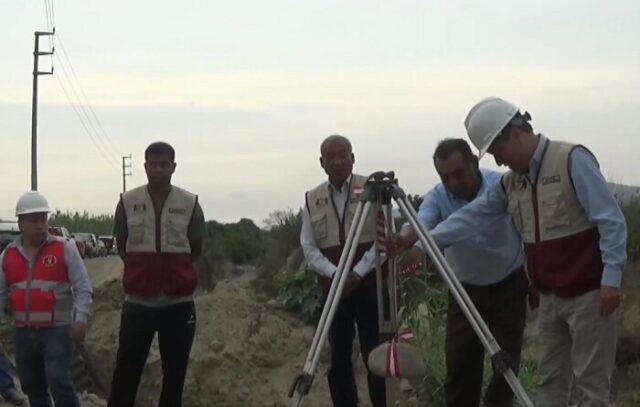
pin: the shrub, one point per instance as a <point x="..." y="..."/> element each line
<point x="299" y="293"/>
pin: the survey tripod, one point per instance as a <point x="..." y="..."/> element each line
<point x="379" y="190"/>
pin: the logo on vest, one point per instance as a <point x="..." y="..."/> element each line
<point x="554" y="179"/>
<point x="139" y="207"/>
<point x="322" y="201"/>
<point x="49" y="261"/>
<point x="177" y="211"/>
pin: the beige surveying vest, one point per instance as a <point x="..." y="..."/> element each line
<point x="174" y="220"/>
<point x="158" y="254"/>
<point x="329" y="230"/>
<point x="561" y="244"/>
<point x="559" y="212"/>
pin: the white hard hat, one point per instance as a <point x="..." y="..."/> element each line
<point x="32" y="202"/>
<point x="486" y="120"/>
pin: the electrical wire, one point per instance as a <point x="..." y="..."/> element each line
<point x="86" y="129"/>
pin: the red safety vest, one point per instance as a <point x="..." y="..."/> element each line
<point x="40" y="297"/>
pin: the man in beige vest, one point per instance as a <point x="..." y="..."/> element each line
<point x="327" y="216"/>
<point x="574" y="238"/>
<point x="159" y="229"/>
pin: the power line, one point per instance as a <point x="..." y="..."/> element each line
<point x="48" y="9"/>
<point x="104" y="134"/>
<point x="86" y="129"/>
<point x="46" y="13"/>
<point x="82" y="108"/>
<point x="53" y="15"/>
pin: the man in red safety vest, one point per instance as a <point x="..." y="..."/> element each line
<point x="49" y="293"/>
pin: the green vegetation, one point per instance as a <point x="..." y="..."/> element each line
<point x="299" y="293"/>
<point x="423" y="310"/>
<point x="83" y="222"/>
<point x="282" y="237"/>
<point x="243" y="242"/>
<point x="228" y="244"/>
<point x="240" y="242"/>
<point x="631" y="211"/>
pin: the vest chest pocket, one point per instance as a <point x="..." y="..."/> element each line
<point x="554" y="211"/>
<point x="175" y="233"/>
<point x="319" y="223"/>
<point x="523" y="217"/>
<point x="369" y="228"/>
<point x="135" y="229"/>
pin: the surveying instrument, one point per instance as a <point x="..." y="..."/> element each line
<point x="379" y="191"/>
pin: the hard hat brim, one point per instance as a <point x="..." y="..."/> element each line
<point x="34" y="210"/>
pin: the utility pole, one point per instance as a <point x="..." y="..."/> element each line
<point x="34" y="105"/>
<point x="125" y="174"/>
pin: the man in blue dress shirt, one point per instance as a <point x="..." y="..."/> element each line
<point x="490" y="267"/>
<point x="574" y="238"/>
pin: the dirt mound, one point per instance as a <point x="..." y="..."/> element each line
<point x="246" y="352"/>
<point x="86" y="400"/>
<point x="91" y="400"/>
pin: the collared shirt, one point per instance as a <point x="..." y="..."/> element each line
<point x="592" y="193"/>
<point x="318" y="261"/>
<point x="78" y="278"/>
<point x="487" y="257"/>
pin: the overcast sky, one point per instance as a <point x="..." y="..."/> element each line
<point x="246" y="91"/>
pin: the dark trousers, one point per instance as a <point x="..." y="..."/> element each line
<point x="359" y="308"/>
<point x="6" y="378"/>
<point x="43" y="360"/>
<point x="175" y="326"/>
<point x="503" y="307"/>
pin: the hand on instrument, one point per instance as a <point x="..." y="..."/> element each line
<point x="395" y="244"/>
<point x="412" y="262"/>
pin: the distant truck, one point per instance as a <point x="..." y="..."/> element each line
<point x="63" y="232"/>
<point x="109" y="242"/>
<point x="8" y="232"/>
<point x="90" y="243"/>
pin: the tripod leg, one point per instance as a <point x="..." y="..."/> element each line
<point x="334" y="288"/>
<point x="302" y="383"/>
<point x="387" y="305"/>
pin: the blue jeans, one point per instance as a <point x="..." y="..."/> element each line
<point x="43" y="360"/>
<point x="6" y="378"/>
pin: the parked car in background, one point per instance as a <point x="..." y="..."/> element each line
<point x="102" y="249"/>
<point x="8" y="232"/>
<point x="90" y="243"/>
<point x="64" y="232"/>
<point x="109" y="242"/>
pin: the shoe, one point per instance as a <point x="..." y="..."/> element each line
<point x="12" y="396"/>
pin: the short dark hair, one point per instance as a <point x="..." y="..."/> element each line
<point x="334" y="138"/>
<point x="449" y="146"/>
<point x="160" y="148"/>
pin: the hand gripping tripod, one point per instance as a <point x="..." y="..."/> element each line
<point x="379" y="190"/>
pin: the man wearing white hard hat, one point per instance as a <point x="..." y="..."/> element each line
<point x="574" y="238"/>
<point x="49" y="294"/>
